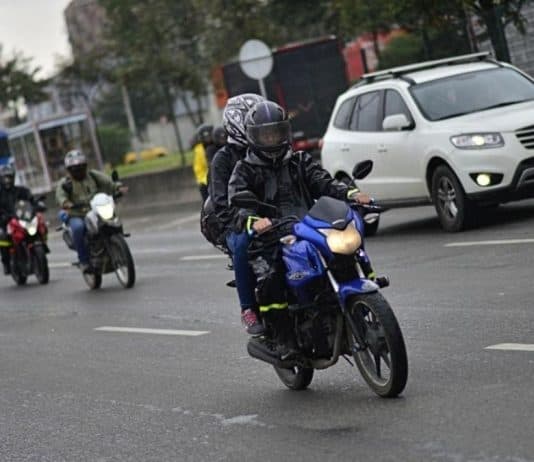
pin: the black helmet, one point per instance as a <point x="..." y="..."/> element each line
<point x="7" y="176"/>
<point x="204" y="134"/>
<point x="234" y="114"/>
<point x="76" y="164"/>
<point x="219" y="136"/>
<point x="268" y="130"/>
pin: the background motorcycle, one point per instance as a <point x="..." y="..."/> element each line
<point x="28" y="234"/>
<point x="334" y="308"/>
<point x="105" y="236"/>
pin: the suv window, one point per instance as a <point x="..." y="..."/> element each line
<point x="365" y="115"/>
<point x="343" y="114"/>
<point x="395" y="105"/>
<point x="472" y="92"/>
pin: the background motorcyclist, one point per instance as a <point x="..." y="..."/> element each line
<point x="219" y="139"/>
<point x="200" y="158"/>
<point x="221" y="169"/>
<point x="9" y="195"/>
<point x="289" y="181"/>
<point x="74" y="193"/>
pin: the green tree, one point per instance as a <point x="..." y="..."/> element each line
<point x="19" y="83"/>
<point x="115" y="142"/>
<point x="157" y="40"/>
<point x="496" y="15"/>
<point x="361" y="16"/>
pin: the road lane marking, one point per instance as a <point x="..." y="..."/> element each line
<point x="178" y="222"/>
<point x="138" y="330"/>
<point x="203" y="257"/>
<point x="512" y="347"/>
<point x="59" y="265"/>
<point x="494" y="242"/>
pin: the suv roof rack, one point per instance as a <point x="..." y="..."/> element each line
<point x="400" y="71"/>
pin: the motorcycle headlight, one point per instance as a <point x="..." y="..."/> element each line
<point x="31" y="227"/>
<point x="105" y="211"/>
<point x="345" y="242"/>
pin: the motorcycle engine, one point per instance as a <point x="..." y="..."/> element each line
<point x="316" y="334"/>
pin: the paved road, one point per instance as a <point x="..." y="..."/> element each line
<point x="70" y="392"/>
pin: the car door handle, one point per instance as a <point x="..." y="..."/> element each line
<point x="382" y="148"/>
<point x="344" y="149"/>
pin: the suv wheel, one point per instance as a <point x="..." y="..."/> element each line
<point x="454" y="209"/>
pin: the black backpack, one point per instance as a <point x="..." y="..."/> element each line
<point x="210" y="225"/>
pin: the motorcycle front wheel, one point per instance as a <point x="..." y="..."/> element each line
<point x="122" y="261"/>
<point x="382" y="361"/>
<point x="18" y="275"/>
<point x="295" y="378"/>
<point x="40" y="265"/>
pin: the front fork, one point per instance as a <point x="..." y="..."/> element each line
<point x="356" y="332"/>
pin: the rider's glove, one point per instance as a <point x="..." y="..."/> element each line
<point x="352" y="192"/>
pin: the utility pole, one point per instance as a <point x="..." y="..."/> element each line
<point x="129" y="116"/>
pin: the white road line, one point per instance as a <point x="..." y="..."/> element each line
<point x="512" y="347"/>
<point x="178" y="222"/>
<point x="495" y="242"/>
<point x="60" y="265"/>
<point x="137" y="330"/>
<point x="203" y="257"/>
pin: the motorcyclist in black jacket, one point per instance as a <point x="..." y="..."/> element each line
<point x="221" y="169"/>
<point x="9" y="195"/>
<point x="288" y="180"/>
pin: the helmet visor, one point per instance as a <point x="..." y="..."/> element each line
<point x="269" y="136"/>
<point x="78" y="172"/>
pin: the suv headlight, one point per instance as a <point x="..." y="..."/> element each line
<point x="478" y="141"/>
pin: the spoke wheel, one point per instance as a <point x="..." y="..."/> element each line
<point x="122" y="261"/>
<point x="93" y="280"/>
<point x="382" y="361"/>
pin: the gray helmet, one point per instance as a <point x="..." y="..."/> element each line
<point x="234" y="114"/>
<point x="7" y="176"/>
<point x="74" y="158"/>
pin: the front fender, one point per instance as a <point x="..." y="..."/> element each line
<point x="356" y="287"/>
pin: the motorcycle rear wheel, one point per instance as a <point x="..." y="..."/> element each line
<point x="93" y="280"/>
<point x="296" y="378"/>
<point x="122" y="261"/>
<point x="40" y="265"/>
<point x="384" y="345"/>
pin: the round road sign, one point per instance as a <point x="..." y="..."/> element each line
<point x="256" y="59"/>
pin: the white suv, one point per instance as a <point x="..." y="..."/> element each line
<point x="457" y="132"/>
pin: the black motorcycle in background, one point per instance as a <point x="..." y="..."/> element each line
<point x="108" y="250"/>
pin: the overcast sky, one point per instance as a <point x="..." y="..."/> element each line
<point x="37" y="29"/>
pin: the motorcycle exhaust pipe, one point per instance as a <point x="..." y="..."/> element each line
<point x="261" y="352"/>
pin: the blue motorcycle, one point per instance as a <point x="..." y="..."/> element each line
<point x="336" y="308"/>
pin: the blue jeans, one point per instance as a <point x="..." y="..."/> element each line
<point x="77" y="227"/>
<point x="244" y="277"/>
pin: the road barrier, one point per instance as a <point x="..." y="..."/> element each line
<point x="149" y="193"/>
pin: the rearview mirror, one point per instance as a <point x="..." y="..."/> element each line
<point x="396" y="122"/>
<point x="362" y="169"/>
<point x="245" y="200"/>
<point x="115" y="176"/>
